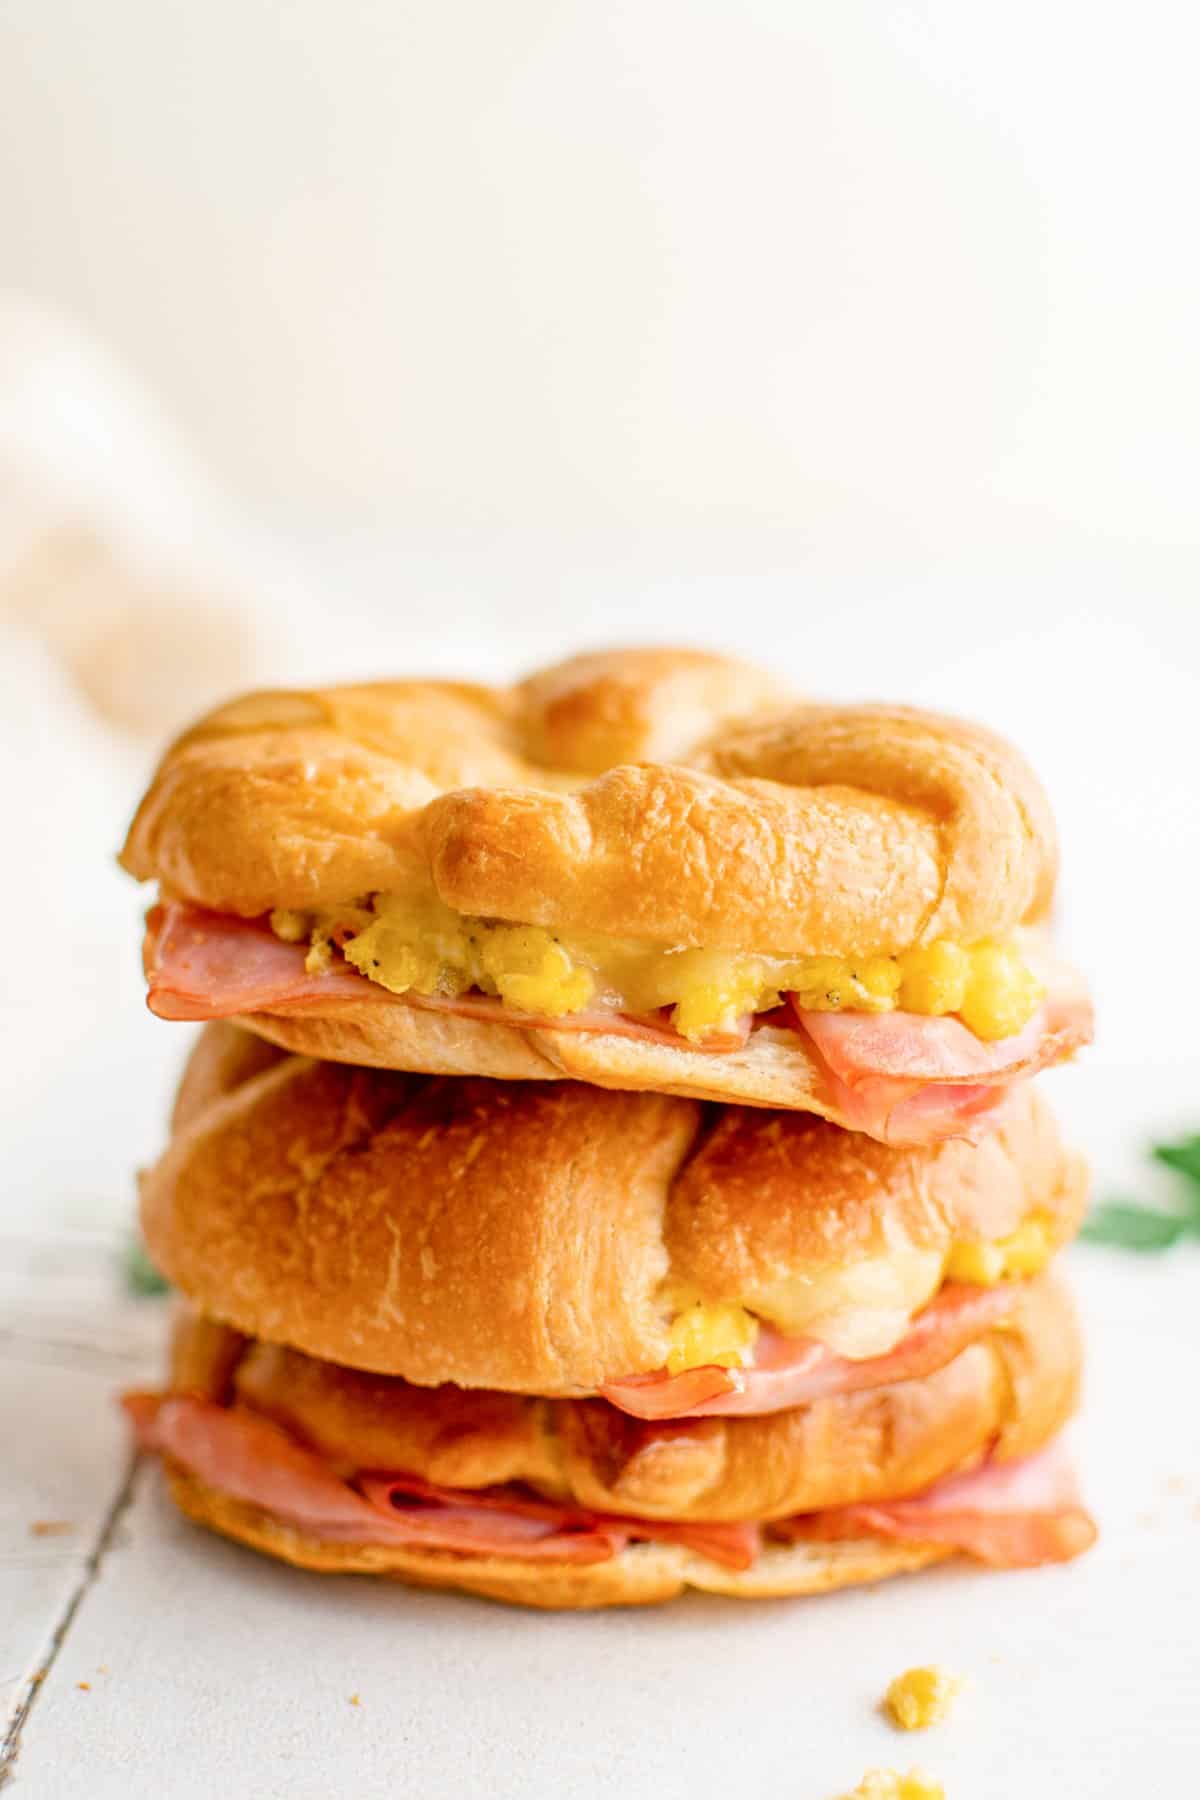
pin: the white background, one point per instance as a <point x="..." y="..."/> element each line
<point x="859" y="339"/>
<point x="920" y="274"/>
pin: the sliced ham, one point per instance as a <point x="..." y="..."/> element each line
<point x="1013" y="1515"/>
<point x="252" y="1459"/>
<point x="896" y="1113"/>
<point x="906" y="1077"/>
<point x="787" y="1372"/>
<point x="733" y="1545"/>
<point x="903" y="1078"/>
<point x="490" y="1523"/>
<point x="693" y="1394"/>
<point x="915" y="1047"/>
<point x="206" y="965"/>
<point x="609" y="1023"/>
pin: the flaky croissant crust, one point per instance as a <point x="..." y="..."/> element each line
<point x="640" y="1575"/>
<point x="518" y="1235"/>
<point x="1006" y="1394"/>
<point x="665" y="795"/>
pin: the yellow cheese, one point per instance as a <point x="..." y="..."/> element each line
<point x="890" y="1784"/>
<point x="860" y="1310"/>
<point x="415" y="942"/>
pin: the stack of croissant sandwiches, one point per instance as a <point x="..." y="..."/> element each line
<point x="610" y="1163"/>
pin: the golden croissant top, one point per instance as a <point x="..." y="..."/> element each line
<point x="670" y="796"/>
<point x="644" y="868"/>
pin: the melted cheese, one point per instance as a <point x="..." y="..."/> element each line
<point x="859" y="1311"/>
<point x="415" y="942"/>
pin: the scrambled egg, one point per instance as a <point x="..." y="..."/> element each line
<point x="890" y="1784"/>
<point x="705" y="1335"/>
<point x="417" y="942"/>
<point x="920" y="1698"/>
<point x="1025" y="1252"/>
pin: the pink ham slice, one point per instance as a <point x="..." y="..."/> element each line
<point x="1013" y="1515"/>
<point x="926" y="1116"/>
<point x="789" y="1372"/>
<point x="252" y="1459"/>
<point x="206" y="965"/>
<point x="610" y="1023"/>
<point x="899" y="1075"/>
<point x="913" y="1047"/>
<point x="733" y="1545"/>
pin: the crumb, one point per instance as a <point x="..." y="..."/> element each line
<point x="889" y="1784"/>
<point x="51" y="1527"/>
<point x="102" y="1668"/>
<point x="355" y="1700"/>
<point x="85" y="1687"/>
<point x="919" y="1698"/>
<point x="1176" y="1484"/>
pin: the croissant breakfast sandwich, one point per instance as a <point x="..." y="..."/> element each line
<point x="576" y="1347"/>
<point x="647" y="870"/>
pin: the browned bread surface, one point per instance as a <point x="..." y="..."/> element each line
<point x="1007" y="1392"/>
<point x="670" y="796"/>
<point x="639" y="1575"/>
<point x="777" y="1067"/>
<point x="519" y="1235"/>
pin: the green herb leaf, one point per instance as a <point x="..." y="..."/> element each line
<point x="1128" y="1227"/>
<point x="1184" y="1158"/>
<point x="141" y="1276"/>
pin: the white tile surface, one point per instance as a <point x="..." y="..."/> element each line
<point x="69" y="1339"/>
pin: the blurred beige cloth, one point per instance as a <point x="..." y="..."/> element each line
<point x="130" y="599"/>
<point x="115" y="554"/>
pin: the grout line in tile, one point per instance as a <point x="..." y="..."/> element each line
<point x="10" y="1746"/>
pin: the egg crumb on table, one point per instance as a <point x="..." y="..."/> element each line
<point x="890" y="1784"/>
<point x="920" y="1698"/>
